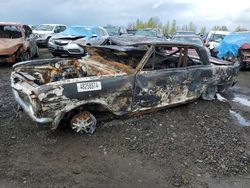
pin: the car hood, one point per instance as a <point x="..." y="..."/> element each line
<point x="9" y="46"/>
<point x="68" y="37"/>
<point x="130" y="40"/>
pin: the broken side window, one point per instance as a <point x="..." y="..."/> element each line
<point x="165" y="57"/>
<point x="10" y="31"/>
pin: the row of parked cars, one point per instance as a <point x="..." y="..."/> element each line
<point x="19" y="42"/>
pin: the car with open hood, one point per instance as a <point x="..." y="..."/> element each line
<point x="17" y="43"/>
<point x="117" y="80"/>
<point x="66" y="43"/>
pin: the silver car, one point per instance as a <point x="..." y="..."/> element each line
<point x="66" y="43"/>
<point x="46" y="31"/>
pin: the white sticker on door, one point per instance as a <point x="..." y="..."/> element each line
<point x="89" y="86"/>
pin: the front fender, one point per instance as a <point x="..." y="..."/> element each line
<point x="73" y="106"/>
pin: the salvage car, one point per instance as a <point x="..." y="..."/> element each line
<point x="17" y="43"/>
<point x="117" y="80"/>
<point x="67" y="42"/>
<point x="46" y="31"/>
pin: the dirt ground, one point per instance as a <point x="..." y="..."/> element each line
<point x="201" y="144"/>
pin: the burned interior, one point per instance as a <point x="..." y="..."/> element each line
<point x="109" y="60"/>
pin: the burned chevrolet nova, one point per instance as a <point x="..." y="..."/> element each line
<point x="118" y="80"/>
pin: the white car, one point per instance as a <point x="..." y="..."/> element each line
<point x="214" y="39"/>
<point x="45" y="31"/>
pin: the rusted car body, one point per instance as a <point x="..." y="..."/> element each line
<point x="121" y="80"/>
<point x="245" y="55"/>
<point x="17" y="42"/>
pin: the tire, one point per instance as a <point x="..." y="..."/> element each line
<point x="83" y="122"/>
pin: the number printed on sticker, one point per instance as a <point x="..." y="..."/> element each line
<point x="89" y="86"/>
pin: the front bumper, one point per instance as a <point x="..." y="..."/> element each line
<point x="68" y="50"/>
<point x="30" y="111"/>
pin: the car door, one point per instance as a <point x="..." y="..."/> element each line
<point x="169" y="85"/>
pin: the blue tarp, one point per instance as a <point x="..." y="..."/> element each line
<point x="77" y="31"/>
<point x="230" y="45"/>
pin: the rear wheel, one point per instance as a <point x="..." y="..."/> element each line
<point x="83" y="122"/>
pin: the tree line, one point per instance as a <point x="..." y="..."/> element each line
<point x="171" y="27"/>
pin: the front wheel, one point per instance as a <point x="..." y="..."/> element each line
<point x="83" y="122"/>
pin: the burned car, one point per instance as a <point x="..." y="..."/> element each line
<point x="17" y="43"/>
<point x="117" y="80"/>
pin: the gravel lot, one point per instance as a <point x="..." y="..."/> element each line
<point x="201" y="144"/>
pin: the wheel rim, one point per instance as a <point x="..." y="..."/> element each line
<point x="83" y="122"/>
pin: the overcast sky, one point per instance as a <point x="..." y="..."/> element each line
<point x="122" y="12"/>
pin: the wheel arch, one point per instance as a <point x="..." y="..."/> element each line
<point x="93" y="107"/>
